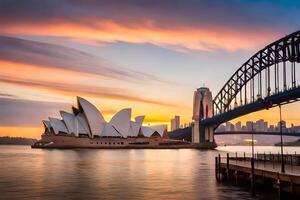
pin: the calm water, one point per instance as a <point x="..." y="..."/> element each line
<point x="27" y="173"/>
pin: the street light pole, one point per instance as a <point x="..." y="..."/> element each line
<point x="252" y="140"/>
<point x="281" y="144"/>
<point x="252" y="163"/>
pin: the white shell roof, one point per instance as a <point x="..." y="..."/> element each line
<point x="88" y="120"/>
<point x="79" y="128"/>
<point x="140" y="119"/>
<point x="147" y="131"/>
<point x="95" y="119"/>
<point x="159" y="128"/>
<point x="136" y="126"/>
<point x="130" y="132"/>
<point x="58" y="125"/>
<point x="47" y="124"/>
<point x="69" y="120"/>
<point x="134" y="129"/>
<point x="110" y="131"/>
<point x="121" y="121"/>
<point x="82" y="125"/>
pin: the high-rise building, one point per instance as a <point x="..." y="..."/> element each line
<point x="238" y="126"/>
<point x="249" y="126"/>
<point x="271" y="128"/>
<point x="221" y="128"/>
<point x="229" y="126"/>
<point x="283" y="125"/>
<point x="244" y="128"/>
<point x="266" y="126"/>
<point x="175" y="123"/>
<point x="261" y="126"/>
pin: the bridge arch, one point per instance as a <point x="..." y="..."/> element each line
<point x="241" y="84"/>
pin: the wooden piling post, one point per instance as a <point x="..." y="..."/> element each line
<point x="252" y="178"/>
<point x="227" y="166"/>
<point x="264" y="159"/>
<point x="292" y="187"/>
<point x="278" y="185"/>
<point x="216" y="167"/>
<point x="273" y="161"/>
<point x="292" y="163"/>
<point x="219" y="160"/>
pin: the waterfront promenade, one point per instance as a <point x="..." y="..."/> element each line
<point x="266" y="170"/>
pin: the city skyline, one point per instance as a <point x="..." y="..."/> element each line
<point x="258" y="126"/>
<point x="128" y="54"/>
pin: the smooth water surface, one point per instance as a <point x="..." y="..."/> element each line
<point x="27" y="173"/>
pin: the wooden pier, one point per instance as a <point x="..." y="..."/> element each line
<point x="264" y="168"/>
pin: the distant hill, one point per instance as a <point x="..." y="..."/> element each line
<point x="16" y="141"/>
<point x="182" y="133"/>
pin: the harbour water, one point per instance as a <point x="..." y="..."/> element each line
<point x="27" y="173"/>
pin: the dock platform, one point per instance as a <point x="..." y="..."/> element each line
<point x="265" y="169"/>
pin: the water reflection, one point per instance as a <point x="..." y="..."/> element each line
<point x="111" y="174"/>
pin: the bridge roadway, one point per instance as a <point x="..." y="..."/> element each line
<point x="255" y="133"/>
<point x="285" y="97"/>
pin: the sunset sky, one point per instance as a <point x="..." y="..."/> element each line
<point x="146" y="55"/>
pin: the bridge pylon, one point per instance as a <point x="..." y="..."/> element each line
<point x="202" y="109"/>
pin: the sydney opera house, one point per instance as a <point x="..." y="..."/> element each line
<point x="85" y="127"/>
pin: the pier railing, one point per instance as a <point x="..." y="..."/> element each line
<point x="266" y="167"/>
<point x="289" y="159"/>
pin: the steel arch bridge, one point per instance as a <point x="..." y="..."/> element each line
<point x="266" y="80"/>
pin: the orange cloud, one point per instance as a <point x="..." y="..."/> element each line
<point x="207" y="38"/>
<point x="62" y="82"/>
<point x="40" y="73"/>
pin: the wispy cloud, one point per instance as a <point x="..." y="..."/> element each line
<point x="201" y="38"/>
<point x="197" y="25"/>
<point x="57" y="56"/>
<point x="15" y="112"/>
<point x="5" y="95"/>
<point x="75" y="90"/>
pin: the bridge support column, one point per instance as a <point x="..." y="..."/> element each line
<point x="195" y="132"/>
<point x="206" y="134"/>
<point x="202" y="134"/>
<point x="203" y="107"/>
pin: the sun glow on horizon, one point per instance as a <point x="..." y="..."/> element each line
<point x="26" y="132"/>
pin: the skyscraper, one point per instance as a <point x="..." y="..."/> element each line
<point x="175" y="123"/>
<point x="238" y="126"/>
<point x="249" y="126"/>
